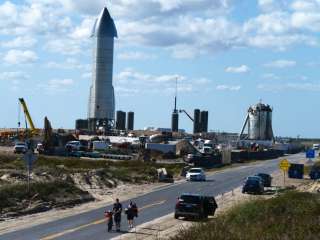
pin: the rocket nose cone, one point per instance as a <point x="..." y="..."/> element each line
<point x="104" y="25"/>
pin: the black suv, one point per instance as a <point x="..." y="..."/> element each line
<point x="266" y="179"/>
<point x="315" y="172"/>
<point x="254" y="185"/>
<point x="195" y="206"/>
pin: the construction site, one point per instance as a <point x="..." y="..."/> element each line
<point x="58" y="183"/>
<point x="107" y="133"/>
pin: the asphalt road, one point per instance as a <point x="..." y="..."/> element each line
<point x="91" y="225"/>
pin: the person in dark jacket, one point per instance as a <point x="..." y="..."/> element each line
<point x="132" y="212"/>
<point x="117" y="209"/>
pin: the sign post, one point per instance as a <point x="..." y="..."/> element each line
<point x="310" y="154"/>
<point x="284" y="166"/>
<point x="29" y="158"/>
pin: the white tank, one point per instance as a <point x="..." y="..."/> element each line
<point x="260" y="122"/>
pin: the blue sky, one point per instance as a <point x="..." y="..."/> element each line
<point x="227" y="55"/>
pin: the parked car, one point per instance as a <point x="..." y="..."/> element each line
<point x="266" y="179"/>
<point x="20" y="147"/>
<point x="73" y="146"/>
<point x="40" y="148"/>
<point x="315" y="172"/>
<point x="196" y="174"/>
<point x="254" y="185"/>
<point x="206" y="150"/>
<point x="195" y="206"/>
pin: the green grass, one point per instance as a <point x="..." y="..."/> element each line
<point x="57" y="192"/>
<point x="293" y="215"/>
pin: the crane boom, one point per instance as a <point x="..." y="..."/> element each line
<point x="26" y="112"/>
<point x="184" y="111"/>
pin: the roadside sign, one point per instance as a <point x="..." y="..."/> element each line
<point x="311" y="153"/>
<point x="284" y="165"/>
<point x="29" y="158"/>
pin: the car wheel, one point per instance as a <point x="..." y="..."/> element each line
<point x="176" y="216"/>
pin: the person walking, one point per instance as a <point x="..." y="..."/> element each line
<point x="130" y="215"/>
<point x="132" y="212"/>
<point x="109" y="217"/>
<point x="117" y="209"/>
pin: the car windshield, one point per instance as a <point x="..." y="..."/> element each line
<point x="255" y="178"/>
<point x="195" y="170"/>
<point x="20" y="145"/>
<point x="190" y="199"/>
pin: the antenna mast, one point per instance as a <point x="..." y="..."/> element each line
<point x="176" y="95"/>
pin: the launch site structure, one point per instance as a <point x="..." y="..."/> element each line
<point x="101" y="107"/>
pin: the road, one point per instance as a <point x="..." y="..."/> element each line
<point x="91" y="225"/>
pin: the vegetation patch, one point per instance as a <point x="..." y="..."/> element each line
<point x="16" y="198"/>
<point x="292" y="215"/>
<point x="127" y="171"/>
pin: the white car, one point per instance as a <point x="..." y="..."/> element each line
<point x="20" y="147"/>
<point x="196" y="174"/>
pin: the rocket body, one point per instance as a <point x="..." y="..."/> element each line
<point x="101" y="99"/>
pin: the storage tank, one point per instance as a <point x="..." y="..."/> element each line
<point x="196" y="122"/>
<point x="204" y="116"/>
<point x="121" y="120"/>
<point x="130" y="121"/>
<point x="260" y="122"/>
<point x="82" y="124"/>
<point x="175" y="121"/>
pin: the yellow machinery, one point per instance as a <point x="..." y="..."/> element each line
<point x="33" y="131"/>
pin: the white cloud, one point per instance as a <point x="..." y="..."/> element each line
<point x="20" y="42"/>
<point x="281" y="64"/>
<point x="240" y="69"/>
<point x="160" y="84"/>
<point x="33" y="17"/>
<point x="86" y="75"/>
<point x="68" y="64"/>
<point x="64" y="46"/>
<point x="135" y="56"/>
<point x="13" y="76"/>
<point x="312" y="87"/>
<point x="134" y="77"/>
<point x="307" y="20"/>
<point x="271" y="5"/>
<point x="270" y="76"/>
<point x="183" y="28"/>
<point x="84" y="30"/>
<point x="20" y="57"/>
<point x="54" y="86"/>
<point x="228" y="88"/>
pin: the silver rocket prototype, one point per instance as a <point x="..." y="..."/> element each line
<point x="101" y="99"/>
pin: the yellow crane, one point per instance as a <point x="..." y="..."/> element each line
<point x="34" y="131"/>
